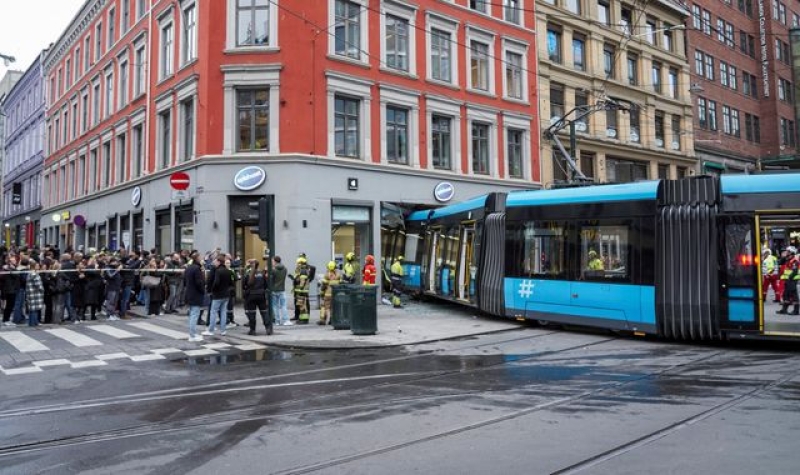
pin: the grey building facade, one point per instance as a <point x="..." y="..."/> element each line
<point x="22" y="166"/>
<point x="6" y="84"/>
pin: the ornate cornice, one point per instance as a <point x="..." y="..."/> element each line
<point x="77" y="27"/>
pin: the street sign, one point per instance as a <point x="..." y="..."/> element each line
<point x="179" y="195"/>
<point x="179" y="181"/>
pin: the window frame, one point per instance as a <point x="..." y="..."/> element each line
<point x="444" y="25"/>
<point x="231" y="37"/>
<point x="480" y="37"/>
<point x="440" y="106"/>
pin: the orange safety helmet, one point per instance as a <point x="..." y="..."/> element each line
<point x="370" y="259"/>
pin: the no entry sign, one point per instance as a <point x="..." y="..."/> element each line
<point x="179" y="181"/>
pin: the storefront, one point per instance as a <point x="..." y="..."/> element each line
<point x="323" y="208"/>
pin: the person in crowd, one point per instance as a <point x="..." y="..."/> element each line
<point x="79" y="295"/>
<point x="351" y="270"/>
<point x="277" y="288"/>
<point x="173" y="269"/>
<point x="68" y="277"/>
<point x="34" y="295"/>
<point x="301" y="283"/>
<point x="369" y="272"/>
<point x="255" y="297"/>
<point x="95" y="290"/>
<point x="232" y="293"/>
<point x="61" y="286"/>
<point x="328" y="281"/>
<point x="48" y="280"/>
<point x="790" y="277"/>
<point x="194" y="284"/>
<point x="769" y="272"/>
<point x="155" y="269"/>
<point x="220" y="290"/>
<point x="10" y="287"/>
<point x="396" y="277"/>
<point x="19" y="301"/>
<point x="113" y="280"/>
<point x="144" y="292"/>
<point x="130" y="269"/>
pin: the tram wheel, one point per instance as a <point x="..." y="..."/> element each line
<point x="543" y="323"/>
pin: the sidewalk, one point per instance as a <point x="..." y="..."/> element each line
<point x="416" y="323"/>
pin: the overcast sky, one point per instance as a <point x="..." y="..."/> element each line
<point x="29" y="26"/>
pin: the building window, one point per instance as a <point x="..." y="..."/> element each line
<point x="707" y="22"/>
<point x="709" y="67"/>
<point x="84" y="111"/>
<point x="784" y="90"/>
<point x="581" y="103"/>
<point x="397" y="135"/>
<point x="252" y="22"/>
<point x="514" y="153"/>
<point x="137" y="151"/>
<point x="167" y="50"/>
<point x="346" y="127"/>
<point x="165" y="139"/>
<point x="68" y="69"/>
<point x="609" y="55"/>
<point x="626" y="19"/>
<point x="141" y="8"/>
<point x="514" y="75"/>
<point x="478" y="5"/>
<point x="111" y="29"/>
<point x="635" y="123"/>
<point x="98" y="43"/>
<point x="676" y="132"/>
<point x="397" y="43"/>
<point x="554" y="45"/>
<point x="625" y="171"/>
<point x="666" y="37"/>
<point x="126" y="16"/>
<point x="441" y="56"/>
<point x="656" y="77"/>
<point x="749" y="86"/>
<point x="752" y="128"/>
<point x="633" y="69"/>
<point x="556" y="102"/>
<point x="138" y="71"/>
<point x="578" y="52"/>
<point x="702" y="111"/>
<point x="441" y="140"/>
<point x="122" y="157"/>
<point x="479" y="66"/>
<point x="123" y="83"/>
<point x="573" y="6"/>
<point x="611" y="123"/>
<point x="480" y="148"/>
<point x="663" y="172"/>
<point x="673" y="83"/>
<point x="659" y="129"/>
<point x="348" y="29"/>
<point x="712" y="115"/>
<point x="787" y="132"/>
<point x="603" y="12"/>
<point x="253" y="111"/>
<point x="511" y="11"/>
<point x="87" y="54"/>
<point x="187" y="130"/>
<point x="106" y="165"/>
<point x="697" y="23"/>
<point x="587" y="164"/>
<point x="189" y="40"/>
<point x="96" y="104"/>
<point x="109" y="93"/>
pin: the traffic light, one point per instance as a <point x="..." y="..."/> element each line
<point x="261" y="207"/>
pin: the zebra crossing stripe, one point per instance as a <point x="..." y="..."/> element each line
<point x="150" y="357"/>
<point x="166" y="351"/>
<point x="60" y="362"/>
<point x="23" y="370"/>
<point x="217" y="346"/>
<point x="201" y="352"/>
<point x="22" y="342"/>
<point x="115" y="332"/>
<point x="159" y="330"/>
<point x="75" y="338"/>
<point x="112" y="356"/>
<point x="87" y="364"/>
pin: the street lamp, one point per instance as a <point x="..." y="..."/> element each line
<point x="7" y="59"/>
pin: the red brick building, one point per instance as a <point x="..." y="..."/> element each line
<point x="742" y="82"/>
<point x="331" y="108"/>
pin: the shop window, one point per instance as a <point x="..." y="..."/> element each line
<point x="351" y="231"/>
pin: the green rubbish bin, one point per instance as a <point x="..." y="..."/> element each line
<point x="342" y="306"/>
<point x="364" y="315"/>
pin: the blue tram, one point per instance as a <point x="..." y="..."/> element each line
<point x="678" y="259"/>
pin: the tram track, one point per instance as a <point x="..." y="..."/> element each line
<point x="270" y="412"/>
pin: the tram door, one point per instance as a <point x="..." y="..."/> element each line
<point x="740" y="294"/>
<point x="465" y="271"/>
<point x="434" y="248"/>
<point x="776" y="233"/>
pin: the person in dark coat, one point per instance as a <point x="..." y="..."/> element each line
<point x="95" y="290"/>
<point x="10" y="286"/>
<point x="255" y="297"/>
<point x="220" y="291"/>
<point x="129" y="277"/>
<point x="113" y="280"/>
<point x="157" y="292"/>
<point x="49" y="282"/>
<point x="195" y="294"/>
<point x="79" y="294"/>
<point x="69" y="275"/>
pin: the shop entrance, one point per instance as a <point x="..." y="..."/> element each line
<point x="351" y="231"/>
<point x="777" y="233"/>
<point x="246" y="244"/>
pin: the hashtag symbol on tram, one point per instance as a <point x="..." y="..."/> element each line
<point x="526" y="289"/>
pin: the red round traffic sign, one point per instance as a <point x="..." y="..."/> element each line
<point x="179" y="181"/>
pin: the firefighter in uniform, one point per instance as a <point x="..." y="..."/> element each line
<point x="790" y="278"/>
<point x="397" y="281"/>
<point x="330" y="279"/>
<point x="300" y="282"/>
<point x="769" y="271"/>
<point x="351" y="268"/>
<point x="369" y="272"/>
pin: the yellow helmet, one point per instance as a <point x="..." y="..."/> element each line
<point x="592" y="253"/>
<point x="301" y="260"/>
<point x="331" y="265"/>
<point x="350" y="256"/>
<point x="399" y="258"/>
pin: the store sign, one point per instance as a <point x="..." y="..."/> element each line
<point x="136" y="196"/>
<point x="762" y="30"/>
<point x="16" y="194"/>
<point x="65" y="216"/>
<point x="249" y="178"/>
<point x="444" y="192"/>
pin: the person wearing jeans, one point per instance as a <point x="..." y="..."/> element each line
<point x="195" y="294"/>
<point x="220" y="291"/>
<point x="277" y="287"/>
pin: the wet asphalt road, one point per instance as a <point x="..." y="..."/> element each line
<point x="524" y="402"/>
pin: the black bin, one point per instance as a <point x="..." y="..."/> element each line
<point x="364" y="315"/>
<point x="342" y="306"/>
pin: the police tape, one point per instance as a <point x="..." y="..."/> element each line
<point x="84" y="271"/>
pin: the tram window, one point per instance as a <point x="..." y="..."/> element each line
<point x="544" y="250"/>
<point x="604" y="252"/>
<point x="739" y="255"/>
<point x="413" y="248"/>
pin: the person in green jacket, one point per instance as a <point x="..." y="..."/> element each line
<point x="277" y="287"/>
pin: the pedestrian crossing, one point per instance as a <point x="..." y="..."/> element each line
<point x="44" y="349"/>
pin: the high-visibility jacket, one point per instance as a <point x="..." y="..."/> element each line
<point x="770" y="265"/>
<point x="596" y="264"/>
<point x="351" y="271"/>
<point x="397" y="269"/>
<point x="330" y="279"/>
<point x="790" y="273"/>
